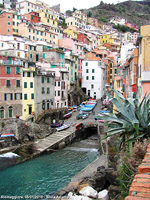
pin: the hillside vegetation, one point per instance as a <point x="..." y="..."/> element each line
<point x="137" y="12"/>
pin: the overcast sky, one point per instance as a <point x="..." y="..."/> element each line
<point x="79" y="4"/>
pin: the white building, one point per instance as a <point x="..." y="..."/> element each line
<point x="118" y="20"/>
<point x="93" y="78"/>
<point x="13" y="46"/>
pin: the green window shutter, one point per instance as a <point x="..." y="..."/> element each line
<point x="25" y="96"/>
<point x="58" y="93"/>
<point x="43" y="55"/>
<point x="62" y="56"/>
<point x="59" y="83"/>
<point x="32" y="96"/>
<point x="87" y="71"/>
<point x="93" y="77"/>
<point x="42" y="79"/>
<point x="93" y="70"/>
<point x="25" y="84"/>
<point x="87" y="78"/>
<point x="17" y="70"/>
<point x="31" y="84"/>
<point x="8" y="70"/>
<point x="59" y="55"/>
<point x="48" y="80"/>
<point x="71" y="71"/>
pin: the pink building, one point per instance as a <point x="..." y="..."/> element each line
<point x="11" y="87"/>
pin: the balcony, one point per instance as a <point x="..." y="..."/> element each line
<point x="11" y="62"/>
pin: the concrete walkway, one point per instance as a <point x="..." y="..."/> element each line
<point x="54" y="139"/>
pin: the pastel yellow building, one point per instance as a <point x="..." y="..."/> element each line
<point x="109" y="38"/>
<point x="71" y="32"/>
<point x="48" y="17"/>
<point x="38" y="32"/>
<point x="28" y="95"/>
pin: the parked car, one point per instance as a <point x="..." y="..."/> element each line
<point x="84" y="116"/>
<point x="79" y="116"/>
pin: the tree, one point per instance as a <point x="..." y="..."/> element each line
<point x="74" y="9"/>
<point x="89" y="14"/>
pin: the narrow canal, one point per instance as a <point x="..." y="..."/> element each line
<point x="48" y="173"/>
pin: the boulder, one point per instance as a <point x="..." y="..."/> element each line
<point x="77" y="197"/>
<point x="88" y="191"/>
<point x="103" y="195"/>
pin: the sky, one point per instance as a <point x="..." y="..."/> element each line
<point x="78" y="4"/>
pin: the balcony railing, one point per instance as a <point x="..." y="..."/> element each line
<point x="11" y="62"/>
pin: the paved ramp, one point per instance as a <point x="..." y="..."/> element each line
<point x="55" y="138"/>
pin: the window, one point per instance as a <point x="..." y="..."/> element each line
<point x="86" y="64"/>
<point x="43" y="105"/>
<point x="31" y="84"/>
<point x="92" y="86"/>
<point x="8" y="23"/>
<point x="29" y="30"/>
<point x="17" y="70"/>
<point x="5" y="97"/>
<point x="30" y="55"/>
<point x="43" y="91"/>
<point x="8" y="83"/>
<point x="25" y="84"/>
<point x="15" y="96"/>
<point x="18" y="54"/>
<point x="59" y="55"/>
<point x="37" y="32"/>
<point x="93" y="70"/>
<point x="25" y="96"/>
<point x="1" y="112"/>
<point x="43" y="55"/>
<point x="48" y="91"/>
<point x="33" y="37"/>
<point x="87" y="71"/>
<point x="93" y="78"/>
<point x="21" y="96"/>
<point x="10" y="111"/>
<point x="42" y="79"/>
<point x="11" y="96"/>
<point x="13" y="23"/>
<point x="8" y="70"/>
<point x="59" y="83"/>
<point x="17" y="83"/>
<point x="32" y="96"/>
<point x="58" y="92"/>
<point x="28" y="74"/>
<point x="8" y="30"/>
<point x="87" y="78"/>
<point x="48" y="80"/>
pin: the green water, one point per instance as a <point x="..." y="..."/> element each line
<point x="46" y="174"/>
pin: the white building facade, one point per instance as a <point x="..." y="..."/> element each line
<point x="93" y="78"/>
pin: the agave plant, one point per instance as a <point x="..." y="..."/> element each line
<point x="131" y="118"/>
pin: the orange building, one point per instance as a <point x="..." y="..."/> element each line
<point x="6" y="22"/>
<point x="33" y="17"/>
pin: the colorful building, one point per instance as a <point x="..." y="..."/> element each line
<point x="48" y="16"/>
<point x="144" y="59"/>
<point x="33" y="17"/>
<point x="38" y="32"/>
<point x="11" y="87"/>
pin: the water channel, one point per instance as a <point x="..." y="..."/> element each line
<point x="47" y="174"/>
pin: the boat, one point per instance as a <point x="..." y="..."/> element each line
<point x="57" y="124"/>
<point x="63" y="127"/>
<point x="68" y="115"/>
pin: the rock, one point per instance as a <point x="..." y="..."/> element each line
<point x="88" y="192"/>
<point x="61" y="145"/>
<point x="103" y="195"/>
<point x="77" y="197"/>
